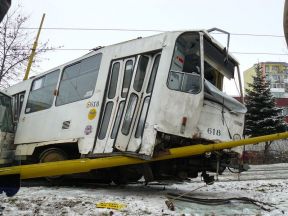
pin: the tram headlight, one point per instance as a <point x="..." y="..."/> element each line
<point x="236" y="137"/>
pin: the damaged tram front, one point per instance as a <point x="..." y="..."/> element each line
<point x="137" y="98"/>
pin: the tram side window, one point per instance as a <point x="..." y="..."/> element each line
<point x="113" y="81"/>
<point x="185" y="71"/>
<point x="128" y="72"/>
<point x="42" y="92"/>
<point x="78" y="80"/>
<point x="140" y="73"/>
<point x="129" y="114"/>
<point x="17" y="102"/>
<point x="6" y="124"/>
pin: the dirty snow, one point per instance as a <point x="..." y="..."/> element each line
<point x="150" y="200"/>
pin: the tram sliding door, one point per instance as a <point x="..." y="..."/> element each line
<point x="127" y="100"/>
<point x="121" y="72"/>
<point x="130" y="133"/>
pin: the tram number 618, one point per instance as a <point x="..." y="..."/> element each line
<point x="214" y="131"/>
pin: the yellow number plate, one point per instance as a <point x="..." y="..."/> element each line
<point x="110" y="205"/>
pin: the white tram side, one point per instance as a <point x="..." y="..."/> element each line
<point x="136" y="98"/>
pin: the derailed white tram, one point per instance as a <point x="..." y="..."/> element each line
<point x="135" y="98"/>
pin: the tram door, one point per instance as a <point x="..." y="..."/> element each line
<point x="127" y="100"/>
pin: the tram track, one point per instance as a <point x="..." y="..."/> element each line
<point x="250" y="175"/>
<point x="252" y="179"/>
<point x="266" y="170"/>
<point x="83" y="183"/>
<point x="256" y="174"/>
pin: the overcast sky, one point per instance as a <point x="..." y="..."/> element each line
<point x="262" y="17"/>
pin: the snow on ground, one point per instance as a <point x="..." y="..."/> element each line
<point x="150" y="200"/>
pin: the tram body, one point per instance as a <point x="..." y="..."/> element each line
<point x="135" y="98"/>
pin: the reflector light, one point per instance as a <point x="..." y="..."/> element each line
<point x="180" y="59"/>
<point x="183" y="125"/>
<point x="184" y="121"/>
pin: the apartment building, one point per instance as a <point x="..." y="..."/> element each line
<point x="277" y="74"/>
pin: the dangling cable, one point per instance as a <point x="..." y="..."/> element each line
<point x="170" y="201"/>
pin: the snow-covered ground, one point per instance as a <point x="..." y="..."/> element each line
<point x="150" y="200"/>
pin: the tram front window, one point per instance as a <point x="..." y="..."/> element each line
<point x="217" y="64"/>
<point x="185" y="71"/>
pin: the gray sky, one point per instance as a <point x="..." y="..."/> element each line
<point x="234" y="16"/>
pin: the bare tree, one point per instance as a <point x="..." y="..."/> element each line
<point x="15" y="47"/>
<point x="280" y="150"/>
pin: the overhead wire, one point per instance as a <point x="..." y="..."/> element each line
<point x="258" y="53"/>
<point x="95" y="29"/>
<point x="254" y="35"/>
<point x="152" y="30"/>
<point x="141" y="30"/>
<point x="90" y="49"/>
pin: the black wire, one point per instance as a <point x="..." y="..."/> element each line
<point x="220" y="201"/>
<point x="93" y="29"/>
<point x="258" y="53"/>
<point x="254" y="35"/>
<point x="86" y="49"/>
<point x="149" y="30"/>
<point x="140" y="30"/>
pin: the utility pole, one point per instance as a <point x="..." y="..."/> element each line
<point x="33" y="49"/>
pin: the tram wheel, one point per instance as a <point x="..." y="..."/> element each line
<point x="126" y="174"/>
<point x="52" y="155"/>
